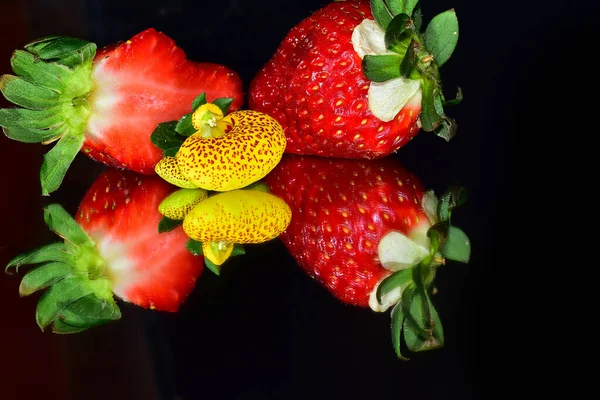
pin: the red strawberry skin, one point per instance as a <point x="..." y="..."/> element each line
<point x="147" y="268"/>
<point x="340" y="211"/>
<point x="139" y="84"/>
<point x="314" y="86"/>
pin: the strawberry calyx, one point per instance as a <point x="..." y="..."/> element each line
<point x="408" y="290"/>
<point x="402" y="62"/>
<point x="51" y="87"/>
<point x="78" y="294"/>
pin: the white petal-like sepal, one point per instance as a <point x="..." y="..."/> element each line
<point x="369" y="39"/>
<point x="396" y="251"/>
<point x="386" y="99"/>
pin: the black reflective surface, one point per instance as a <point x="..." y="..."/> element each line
<point x="263" y="329"/>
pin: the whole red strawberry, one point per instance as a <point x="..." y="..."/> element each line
<point x="357" y="79"/>
<point x="106" y="103"/>
<point x="112" y="248"/>
<point x="369" y="232"/>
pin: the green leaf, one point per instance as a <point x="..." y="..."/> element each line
<point x="25" y="94"/>
<point x="397" y="323"/>
<point x="60" y="222"/>
<point x="165" y="137"/>
<point x="223" y="103"/>
<point x="58" y="160"/>
<point x="216" y="269"/>
<point x="184" y="126"/>
<point x="168" y="224"/>
<point x="454" y="197"/>
<point x="381" y="68"/>
<point x="194" y="247"/>
<point x="381" y="13"/>
<point x="44" y="276"/>
<point x="90" y="311"/>
<point x="395" y="280"/>
<point x="409" y="61"/>
<point x="457" y="246"/>
<point x="58" y="297"/>
<point x="441" y="36"/>
<point x="396" y="36"/>
<point x="41" y="73"/>
<point x="199" y="101"/>
<point x="21" y="117"/>
<point x="33" y="135"/>
<point x="52" y="252"/>
<point x="430" y="119"/>
<point x="61" y="327"/>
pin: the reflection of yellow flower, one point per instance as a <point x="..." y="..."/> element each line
<point x="227" y="152"/>
<point x="386" y="99"/>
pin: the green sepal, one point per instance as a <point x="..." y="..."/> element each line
<point x="430" y="119"/>
<point x="165" y="137"/>
<point x="381" y="13"/>
<point x="26" y="94"/>
<point x="216" y="269"/>
<point x="200" y="100"/>
<point x="381" y="68"/>
<point x="58" y="160"/>
<point x="441" y="36"/>
<point x="396" y="35"/>
<point x="238" y="250"/>
<point x="398" y="318"/>
<point x="402" y="6"/>
<point x="454" y="197"/>
<point x="167" y="224"/>
<point x="437" y="235"/>
<point x="33" y="135"/>
<point x="456" y="101"/>
<point x="409" y="61"/>
<point x="395" y="280"/>
<point x="446" y="129"/>
<point x="457" y="247"/>
<point x="184" y="125"/>
<point x="45" y="74"/>
<point x="417" y="17"/>
<point x="44" y="276"/>
<point x="62" y="328"/>
<point x="90" y="311"/>
<point x="60" y="222"/>
<point x="55" y="252"/>
<point x="422" y="327"/>
<point x="223" y="103"/>
<point x="64" y="50"/>
<point x="58" y="297"/>
<point x="194" y="247"/>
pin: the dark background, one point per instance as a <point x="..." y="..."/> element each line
<point x="264" y="330"/>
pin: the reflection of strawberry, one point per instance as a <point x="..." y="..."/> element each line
<point x="357" y="79"/>
<point x="112" y="247"/>
<point x="354" y="223"/>
<point x="106" y="103"/>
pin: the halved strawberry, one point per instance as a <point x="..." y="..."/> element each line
<point x="370" y="233"/>
<point x="106" y="103"/>
<point x="112" y="248"/>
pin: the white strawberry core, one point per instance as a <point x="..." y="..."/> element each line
<point x="386" y="99"/>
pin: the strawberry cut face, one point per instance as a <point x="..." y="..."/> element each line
<point x="139" y="84"/>
<point x="340" y="211"/>
<point x="147" y="268"/>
